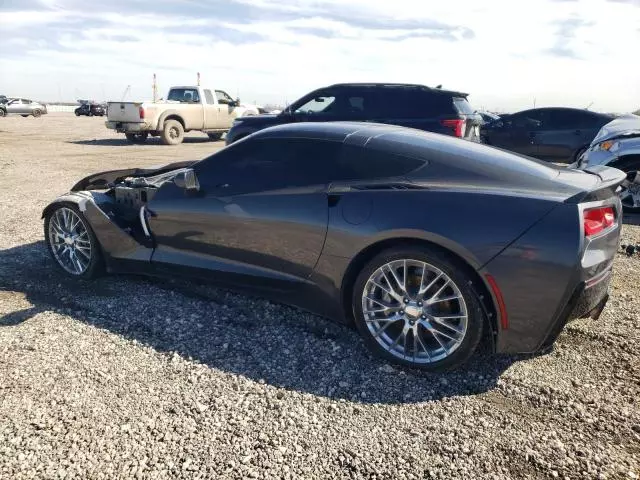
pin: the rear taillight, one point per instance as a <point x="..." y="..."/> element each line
<point x="141" y="111"/>
<point x="456" y="125"/>
<point x="597" y="220"/>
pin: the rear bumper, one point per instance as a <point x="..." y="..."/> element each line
<point x="125" y="127"/>
<point x="587" y="301"/>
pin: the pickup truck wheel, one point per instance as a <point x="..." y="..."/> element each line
<point x="172" y="133"/>
<point x="137" y="137"/>
<point x="214" y="136"/>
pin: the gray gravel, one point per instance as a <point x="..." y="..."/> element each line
<point x="128" y="377"/>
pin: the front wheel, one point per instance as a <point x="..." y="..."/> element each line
<point x="36" y="113"/>
<point x="415" y="306"/>
<point x="137" y="137"/>
<point x="72" y="243"/>
<point x="2" y="112"/>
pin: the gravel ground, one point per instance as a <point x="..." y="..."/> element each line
<point x="129" y="377"/>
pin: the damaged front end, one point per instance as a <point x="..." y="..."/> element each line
<point x="115" y="205"/>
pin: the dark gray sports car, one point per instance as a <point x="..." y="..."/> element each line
<point x="423" y="241"/>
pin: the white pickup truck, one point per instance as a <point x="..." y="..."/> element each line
<point x="186" y="108"/>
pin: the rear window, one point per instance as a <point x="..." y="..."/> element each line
<point x="184" y="95"/>
<point x="463" y="106"/>
<point x="357" y="163"/>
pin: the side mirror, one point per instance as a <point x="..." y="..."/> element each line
<point x="238" y="102"/>
<point x="187" y="179"/>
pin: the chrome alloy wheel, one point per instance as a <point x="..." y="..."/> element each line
<point x="414" y="311"/>
<point x="69" y="241"/>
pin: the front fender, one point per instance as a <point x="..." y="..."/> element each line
<point x="116" y="244"/>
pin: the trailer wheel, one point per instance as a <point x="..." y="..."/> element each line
<point x="172" y="133"/>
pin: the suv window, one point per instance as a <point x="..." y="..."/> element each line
<point x="400" y="103"/>
<point x="209" y="97"/>
<point x="463" y="106"/>
<point x="184" y="95"/>
<point x="317" y="104"/>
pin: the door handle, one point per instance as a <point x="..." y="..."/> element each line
<point x="222" y="185"/>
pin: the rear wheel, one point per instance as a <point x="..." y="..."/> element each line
<point x="77" y="113"/>
<point x="630" y="198"/>
<point x="172" y="133"/>
<point x="72" y="243"/>
<point x="137" y="137"/>
<point x="214" y="136"/>
<point x="2" y="112"/>
<point x="415" y="306"/>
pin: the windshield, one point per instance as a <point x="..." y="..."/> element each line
<point x="184" y="95"/>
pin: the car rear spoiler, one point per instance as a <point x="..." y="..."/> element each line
<point x="611" y="180"/>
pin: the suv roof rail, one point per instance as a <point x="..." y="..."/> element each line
<point x="391" y="84"/>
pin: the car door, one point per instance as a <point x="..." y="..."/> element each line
<point x="14" y="106"/>
<point x="226" y="109"/>
<point x="563" y="132"/>
<point x="211" y="113"/>
<point x="260" y="216"/>
<point x="517" y="133"/>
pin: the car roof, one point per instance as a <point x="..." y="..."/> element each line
<point x="453" y="93"/>
<point x="413" y="143"/>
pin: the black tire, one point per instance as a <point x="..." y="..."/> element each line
<point x="138" y="138"/>
<point x="2" y="112"/>
<point x="172" y="133"/>
<point x="214" y="136"/>
<point x="96" y="263"/>
<point x="37" y="113"/>
<point x="457" y="273"/>
<point x="77" y="113"/>
<point x="25" y="116"/>
<point x="629" y="165"/>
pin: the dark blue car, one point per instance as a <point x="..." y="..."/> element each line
<point x="415" y="106"/>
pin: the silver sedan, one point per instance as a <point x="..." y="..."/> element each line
<point x="24" y="107"/>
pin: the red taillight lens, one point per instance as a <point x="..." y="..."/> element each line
<point x="141" y="111"/>
<point x="598" y="219"/>
<point x="456" y="125"/>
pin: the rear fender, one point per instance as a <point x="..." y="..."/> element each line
<point x="163" y="117"/>
<point x="116" y="244"/>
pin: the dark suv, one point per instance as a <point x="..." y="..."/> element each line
<point x="90" y="109"/>
<point x="415" y="106"/>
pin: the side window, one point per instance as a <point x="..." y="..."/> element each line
<point x="269" y="164"/>
<point x="357" y="163"/>
<point x="319" y="103"/>
<point x="528" y="120"/>
<point x="223" y="97"/>
<point x="209" y="97"/>
<point x="568" y="119"/>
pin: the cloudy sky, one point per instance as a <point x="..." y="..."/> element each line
<point x="504" y="53"/>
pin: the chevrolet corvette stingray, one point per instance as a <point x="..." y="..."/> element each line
<point x="427" y="243"/>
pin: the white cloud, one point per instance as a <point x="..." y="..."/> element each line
<point x="504" y="53"/>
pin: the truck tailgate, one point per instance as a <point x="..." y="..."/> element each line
<point x="124" y="112"/>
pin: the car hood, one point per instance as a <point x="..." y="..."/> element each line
<point x="265" y="120"/>
<point x="623" y="126"/>
<point x="103" y="180"/>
